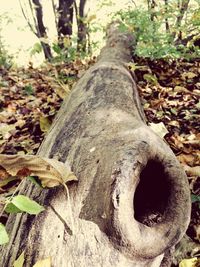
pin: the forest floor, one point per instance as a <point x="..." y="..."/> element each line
<point x="170" y="93"/>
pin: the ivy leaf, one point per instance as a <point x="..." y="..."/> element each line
<point x="3" y="235"/>
<point x="25" y="204"/>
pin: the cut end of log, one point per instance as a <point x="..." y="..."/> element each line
<point x="152" y="194"/>
<point x="115" y="36"/>
<point x="151" y="202"/>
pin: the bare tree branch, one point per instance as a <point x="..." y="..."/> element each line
<point x="166" y="19"/>
<point x="82" y="27"/>
<point x="27" y="19"/>
<point x="55" y="13"/>
<point x="33" y="15"/>
<point x="183" y="6"/>
<point x="41" y="29"/>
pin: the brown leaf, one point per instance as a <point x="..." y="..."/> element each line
<point x="51" y="172"/>
<point x="3" y="174"/>
<point x="192" y="171"/>
<point x="159" y="128"/>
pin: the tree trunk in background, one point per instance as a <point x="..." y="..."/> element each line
<point x="166" y="18"/>
<point x="82" y="27"/>
<point x="41" y="30"/>
<point x="132" y="200"/>
<point x="151" y="7"/>
<point x="65" y="20"/>
<point x="183" y="6"/>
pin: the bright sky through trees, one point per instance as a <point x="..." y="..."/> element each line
<point x="18" y="38"/>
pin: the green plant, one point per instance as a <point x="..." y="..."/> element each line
<point x="66" y="54"/>
<point x="157" y="33"/>
<point x="5" y="57"/>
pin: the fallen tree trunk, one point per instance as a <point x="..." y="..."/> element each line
<point x="132" y="201"/>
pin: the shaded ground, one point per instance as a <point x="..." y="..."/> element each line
<point x="170" y="92"/>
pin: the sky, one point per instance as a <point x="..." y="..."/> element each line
<point x="18" y="38"/>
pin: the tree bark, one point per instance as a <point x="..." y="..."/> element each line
<point x="65" y="19"/>
<point x="132" y="201"/>
<point x="183" y="6"/>
<point x="166" y="18"/>
<point x="82" y="27"/>
<point x="41" y="30"/>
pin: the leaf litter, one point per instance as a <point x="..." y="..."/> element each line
<point x="175" y="102"/>
<point x="170" y="95"/>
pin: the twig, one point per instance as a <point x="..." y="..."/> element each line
<point x="27" y="19"/>
<point x="55" y="15"/>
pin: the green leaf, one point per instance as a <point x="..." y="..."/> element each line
<point x="3" y="235"/>
<point x="56" y="48"/>
<point x="195" y="198"/>
<point x="26" y="204"/>
<point x="28" y="89"/>
<point x="19" y="261"/>
<point x="173" y="111"/>
<point x="11" y="208"/>
<point x="35" y="180"/>
<point x="37" y="48"/>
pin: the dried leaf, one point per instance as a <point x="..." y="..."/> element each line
<point x="188" y="75"/>
<point x="192" y="171"/>
<point x="90" y="18"/>
<point x="188" y="262"/>
<point x="45" y="124"/>
<point x="180" y="89"/>
<point x="7" y="180"/>
<point x="19" y="261"/>
<point x="150" y="78"/>
<point x="43" y="263"/>
<point x="51" y="172"/>
<point x="159" y="128"/>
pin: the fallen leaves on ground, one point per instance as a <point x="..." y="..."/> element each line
<point x="29" y="101"/>
<point x="170" y="92"/>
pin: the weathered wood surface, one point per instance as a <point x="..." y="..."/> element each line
<point x="132" y="200"/>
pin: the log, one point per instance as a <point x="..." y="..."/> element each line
<point x="132" y="201"/>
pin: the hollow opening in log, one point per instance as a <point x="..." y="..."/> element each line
<point x="152" y="194"/>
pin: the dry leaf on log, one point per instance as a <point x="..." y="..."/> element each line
<point x="51" y="172"/>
